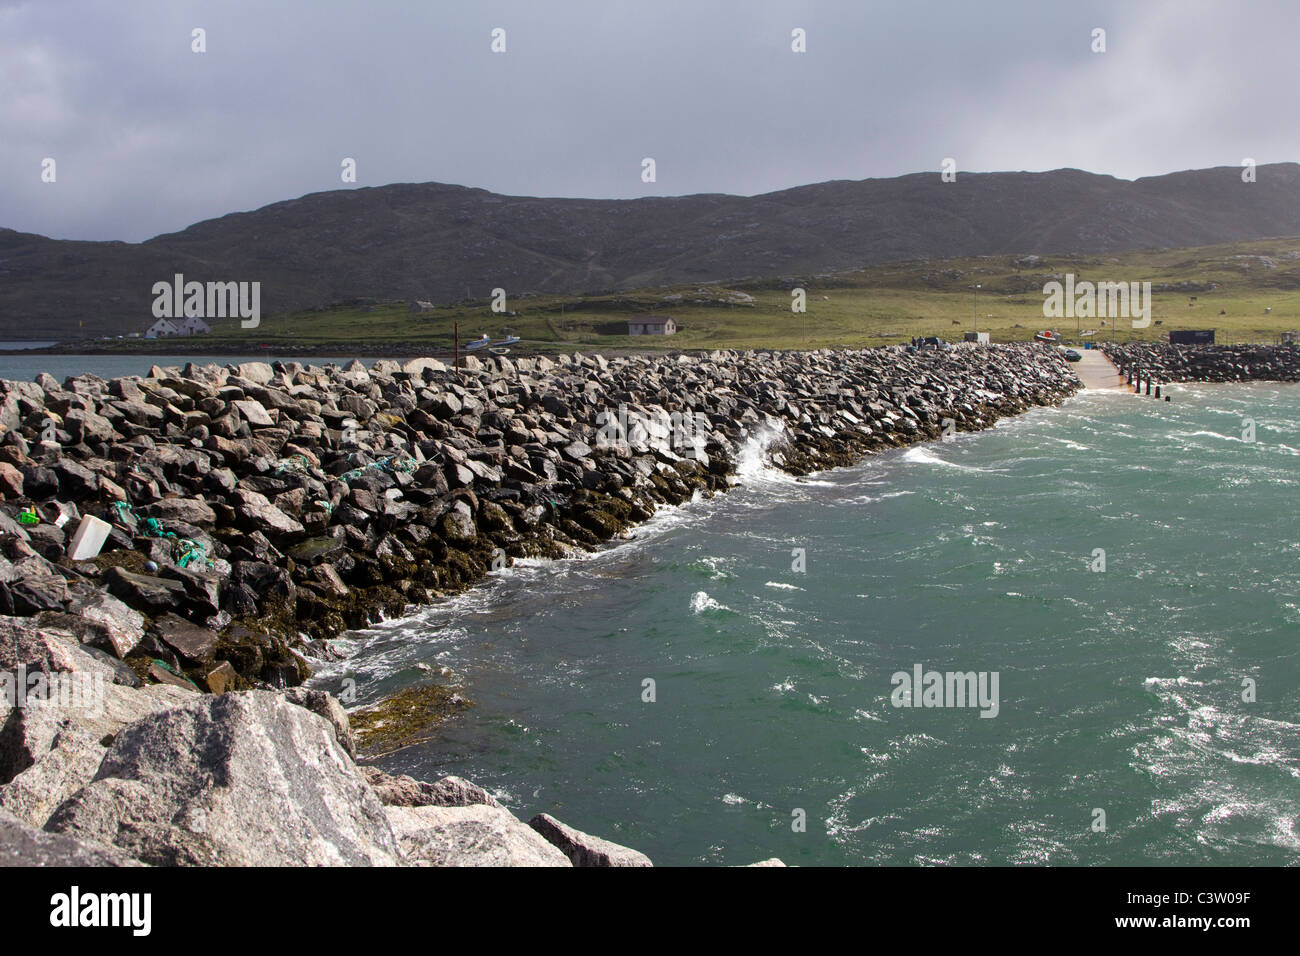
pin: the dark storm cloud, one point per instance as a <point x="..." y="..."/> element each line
<point x="149" y="136"/>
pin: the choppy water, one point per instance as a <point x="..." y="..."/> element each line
<point x="1119" y="690"/>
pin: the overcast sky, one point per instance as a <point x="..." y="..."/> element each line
<point x="149" y="136"/>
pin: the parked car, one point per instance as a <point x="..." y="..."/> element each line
<point x="934" y="342"/>
<point x="1071" y="355"/>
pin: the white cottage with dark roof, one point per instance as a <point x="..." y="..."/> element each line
<point x="651" y="325"/>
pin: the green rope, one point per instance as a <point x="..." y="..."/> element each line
<point x="189" y="550"/>
<point x="153" y="528"/>
<point x="296" y="462"/>
<point x="174" y="672"/>
<point x="391" y="464"/>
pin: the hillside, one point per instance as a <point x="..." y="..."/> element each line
<point x="450" y="243"/>
<point x="1256" y="285"/>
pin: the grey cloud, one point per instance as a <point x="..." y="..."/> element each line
<point x="150" y="137"/>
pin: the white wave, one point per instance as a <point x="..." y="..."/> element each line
<point x="1206" y="434"/>
<point x="716" y="568"/>
<point x="701" y="602"/>
<point x="923" y="456"/>
<point x="1180" y="681"/>
<point x="752" y="459"/>
<point x="1070" y="444"/>
<point x="782" y="586"/>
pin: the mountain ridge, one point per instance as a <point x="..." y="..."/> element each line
<point x="445" y="242"/>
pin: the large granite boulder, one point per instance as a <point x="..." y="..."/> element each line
<point x="243" y="779"/>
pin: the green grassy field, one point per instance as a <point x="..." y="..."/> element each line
<point x="875" y="306"/>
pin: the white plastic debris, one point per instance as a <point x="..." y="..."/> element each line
<point x="88" y="538"/>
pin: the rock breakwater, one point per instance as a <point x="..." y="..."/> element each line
<point x="257" y="510"/>
<point x="1207" y="363"/>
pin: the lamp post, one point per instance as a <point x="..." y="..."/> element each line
<point x="975" y="314"/>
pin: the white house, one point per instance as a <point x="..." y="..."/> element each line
<point x="194" y="326"/>
<point x="651" y="325"/>
<point x="162" y="327"/>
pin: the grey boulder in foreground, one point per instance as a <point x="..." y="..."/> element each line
<point x="244" y="779"/>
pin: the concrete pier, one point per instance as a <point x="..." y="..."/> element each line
<point x="1097" y="371"/>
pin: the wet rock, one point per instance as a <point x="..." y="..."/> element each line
<point x="457" y="527"/>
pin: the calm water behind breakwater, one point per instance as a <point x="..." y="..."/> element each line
<point x="1119" y="690"/>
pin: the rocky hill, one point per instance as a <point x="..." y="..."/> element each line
<point x="444" y="243"/>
